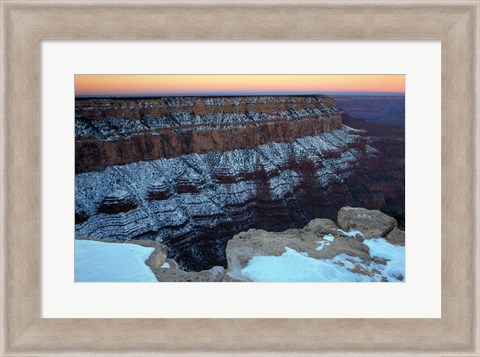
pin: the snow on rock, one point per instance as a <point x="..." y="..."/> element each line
<point x="111" y="262"/>
<point x="321" y="245"/>
<point x="329" y="237"/>
<point x="327" y="241"/>
<point x="320" y="239"/>
<point x="292" y="266"/>
<point x="352" y="234"/>
<point x="168" y="195"/>
<point x="394" y="269"/>
<point x="319" y="252"/>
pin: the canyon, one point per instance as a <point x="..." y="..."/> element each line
<point x="380" y="109"/>
<point x="192" y="172"/>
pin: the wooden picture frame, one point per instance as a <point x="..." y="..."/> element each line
<point x="25" y="23"/>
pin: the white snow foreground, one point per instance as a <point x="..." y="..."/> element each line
<point x="293" y="266"/>
<point x="111" y="262"/>
<point x="394" y="270"/>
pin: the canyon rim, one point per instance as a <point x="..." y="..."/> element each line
<point x="210" y="179"/>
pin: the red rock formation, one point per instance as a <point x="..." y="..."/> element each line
<point x="285" y="119"/>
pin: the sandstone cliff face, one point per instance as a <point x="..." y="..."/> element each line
<point x="193" y="172"/>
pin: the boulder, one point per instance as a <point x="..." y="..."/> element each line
<point x="396" y="237"/>
<point x="158" y="257"/>
<point x="320" y="239"/>
<point x="372" y="223"/>
<point x="321" y="225"/>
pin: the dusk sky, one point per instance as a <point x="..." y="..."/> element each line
<point x="148" y="85"/>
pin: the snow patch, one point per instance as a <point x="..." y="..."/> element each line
<point x="322" y="244"/>
<point x="293" y="266"/>
<point x="111" y="262"/>
<point x="327" y="241"/>
<point x="329" y="237"/>
<point x="351" y="234"/>
<point x="395" y="267"/>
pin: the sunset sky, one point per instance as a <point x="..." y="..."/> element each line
<point x="147" y="85"/>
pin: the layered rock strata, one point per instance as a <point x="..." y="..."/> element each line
<point x="117" y="132"/>
<point x="208" y="168"/>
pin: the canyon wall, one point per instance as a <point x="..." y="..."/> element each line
<point x="191" y="172"/>
<point x="389" y="140"/>
<point x="118" y="132"/>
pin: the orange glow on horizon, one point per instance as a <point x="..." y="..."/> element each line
<point x="131" y="85"/>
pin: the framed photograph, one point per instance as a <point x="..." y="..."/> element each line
<point x="257" y="178"/>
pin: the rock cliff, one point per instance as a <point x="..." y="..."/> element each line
<point x="117" y="132"/>
<point x="191" y="172"/>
